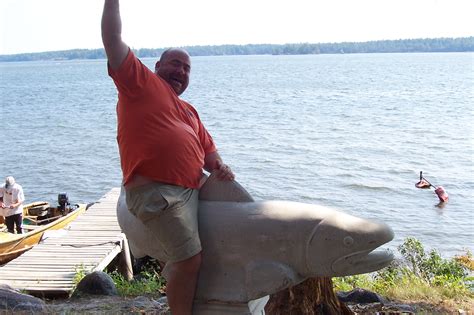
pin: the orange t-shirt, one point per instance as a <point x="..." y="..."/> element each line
<point x="159" y="135"/>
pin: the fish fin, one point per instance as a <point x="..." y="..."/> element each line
<point x="215" y="189"/>
<point x="268" y="277"/>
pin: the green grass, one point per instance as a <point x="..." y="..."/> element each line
<point x="80" y="272"/>
<point x="149" y="281"/>
<point x="418" y="276"/>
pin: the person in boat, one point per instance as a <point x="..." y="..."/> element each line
<point x="163" y="149"/>
<point x="11" y="204"/>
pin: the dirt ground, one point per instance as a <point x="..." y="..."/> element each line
<point x="155" y="305"/>
<point x="108" y="305"/>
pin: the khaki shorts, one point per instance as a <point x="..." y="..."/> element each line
<point x="170" y="212"/>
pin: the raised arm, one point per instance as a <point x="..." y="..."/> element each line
<point x="111" y="25"/>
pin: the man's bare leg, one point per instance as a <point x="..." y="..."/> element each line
<point x="181" y="284"/>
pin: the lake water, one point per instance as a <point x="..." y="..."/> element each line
<point x="347" y="131"/>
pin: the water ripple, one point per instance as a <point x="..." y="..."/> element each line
<point x="297" y="130"/>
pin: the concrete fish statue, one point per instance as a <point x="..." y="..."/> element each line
<point x="252" y="249"/>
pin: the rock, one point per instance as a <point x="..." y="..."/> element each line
<point x="105" y="305"/>
<point x="145" y="303"/>
<point x="14" y="301"/>
<point x="96" y="283"/>
<point x="402" y="307"/>
<point x="379" y="308"/>
<point x="360" y="296"/>
<point x="163" y="301"/>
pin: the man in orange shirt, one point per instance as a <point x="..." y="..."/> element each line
<point x="163" y="149"/>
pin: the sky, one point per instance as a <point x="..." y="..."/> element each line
<point x="49" y="25"/>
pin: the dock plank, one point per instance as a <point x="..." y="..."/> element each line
<point x="89" y="243"/>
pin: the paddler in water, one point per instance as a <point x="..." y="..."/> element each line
<point x="163" y="148"/>
<point x="439" y="191"/>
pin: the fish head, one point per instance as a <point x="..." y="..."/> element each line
<point x="342" y="245"/>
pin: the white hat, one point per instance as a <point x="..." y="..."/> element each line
<point x="9" y="181"/>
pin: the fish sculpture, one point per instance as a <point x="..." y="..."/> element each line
<point x="252" y="249"/>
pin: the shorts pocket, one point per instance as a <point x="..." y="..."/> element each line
<point x="175" y="196"/>
<point x="146" y="204"/>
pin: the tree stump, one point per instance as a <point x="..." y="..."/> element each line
<point x="313" y="296"/>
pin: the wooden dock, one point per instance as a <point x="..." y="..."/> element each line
<point x="88" y="244"/>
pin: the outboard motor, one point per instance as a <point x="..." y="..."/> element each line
<point x="63" y="202"/>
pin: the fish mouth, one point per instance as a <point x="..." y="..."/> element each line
<point x="362" y="262"/>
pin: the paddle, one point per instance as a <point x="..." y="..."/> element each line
<point x="439" y="191"/>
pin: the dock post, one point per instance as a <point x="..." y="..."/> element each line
<point x="125" y="262"/>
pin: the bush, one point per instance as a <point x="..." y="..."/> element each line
<point x="432" y="267"/>
<point x="419" y="275"/>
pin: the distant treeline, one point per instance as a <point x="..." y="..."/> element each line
<point x="462" y="44"/>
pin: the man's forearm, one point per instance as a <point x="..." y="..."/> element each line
<point x="111" y="22"/>
<point x="111" y="26"/>
<point x="16" y="204"/>
<point x="210" y="161"/>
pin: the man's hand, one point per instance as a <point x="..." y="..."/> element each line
<point x="223" y="171"/>
<point x="213" y="163"/>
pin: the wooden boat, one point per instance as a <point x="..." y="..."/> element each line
<point x="38" y="217"/>
<point x="6" y="257"/>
